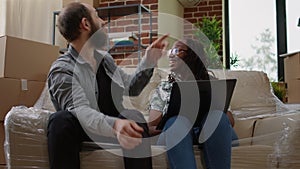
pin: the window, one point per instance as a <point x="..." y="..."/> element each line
<point x="252" y="30"/>
<point x="293" y="31"/>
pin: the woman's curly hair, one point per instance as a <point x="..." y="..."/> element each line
<point x="197" y="59"/>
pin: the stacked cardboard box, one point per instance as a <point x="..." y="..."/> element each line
<point x="2" y="157"/>
<point x="24" y="66"/>
<point x="292" y="76"/>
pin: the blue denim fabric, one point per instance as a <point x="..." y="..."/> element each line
<point x="178" y="137"/>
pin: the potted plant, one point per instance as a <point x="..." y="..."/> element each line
<point x="209" y="33"/>
<point x="279" y="89"/>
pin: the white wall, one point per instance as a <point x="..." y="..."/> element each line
<point x="2" y="17"/>
<point x="170" y="17"/>
<point x="170" y="20"/>
<point x="29" y="19"/>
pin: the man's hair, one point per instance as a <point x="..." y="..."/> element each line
<point x="70" y="18"/>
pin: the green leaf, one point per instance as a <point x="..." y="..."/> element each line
<point x="212" y="29"/>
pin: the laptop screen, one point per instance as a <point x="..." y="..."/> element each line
<point x="194" y="99"/>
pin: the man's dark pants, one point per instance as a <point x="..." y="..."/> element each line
<point x="65" y="137"/>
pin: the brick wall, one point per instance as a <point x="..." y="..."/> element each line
<point x="207" y="8"/>
<point x="130" y="24"/>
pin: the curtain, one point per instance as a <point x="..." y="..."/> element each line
<point x="28" y="19"/>
<point x="2" y="17"/>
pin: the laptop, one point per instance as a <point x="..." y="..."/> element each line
<point x="194" y="99"/>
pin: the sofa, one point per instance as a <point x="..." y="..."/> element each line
<point x="268" y="131"/>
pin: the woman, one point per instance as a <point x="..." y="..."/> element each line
<point x="187" y="61"/>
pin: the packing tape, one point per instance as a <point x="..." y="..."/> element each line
<point x="24" y="85"/>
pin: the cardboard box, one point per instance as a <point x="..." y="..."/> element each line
<point x="291" y="66"/>
<point x="25" y="59"/>
<point x="94" y="3"/>
<point x="16" y="92"/>
<point x="293" y="90"/>
<point x="2" y="136"/>
<point x="292" y="76"/>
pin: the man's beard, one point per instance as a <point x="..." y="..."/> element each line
<point x="98" y="38"/>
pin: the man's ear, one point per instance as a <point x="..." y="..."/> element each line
<point x="85" y="24"/>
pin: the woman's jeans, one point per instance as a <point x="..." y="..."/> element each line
<point x="217" y="134"/>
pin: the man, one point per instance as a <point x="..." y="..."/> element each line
<point x="86" y="88"/>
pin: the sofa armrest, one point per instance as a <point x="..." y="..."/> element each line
<point x="26" y="138"/>
<point x="253" y="96"/>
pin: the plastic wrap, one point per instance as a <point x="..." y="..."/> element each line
<point x="25" y="138"/>
<point x="253" y="96"/>
<point x="26" y="144"/>
<point x="275" y="142"/>
<point x="269" y="137"/>
<point x="286" y="149"/>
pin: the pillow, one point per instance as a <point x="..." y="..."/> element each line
<point x="252" y="95"/>
<point x="141" y="102"/>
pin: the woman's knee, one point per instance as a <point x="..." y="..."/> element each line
<point x="178" y="124"/>
<point x="224" y="120"/>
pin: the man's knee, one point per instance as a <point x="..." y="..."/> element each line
<point x="61" y="121"/>
<point x="60" y="117"/>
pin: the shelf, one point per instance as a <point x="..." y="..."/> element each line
<point x="129" y="42"/>
<point x="115" y="11"/>
<point x="119" y="49"/>
<point x="122" y="35"/>
<point x="121" y="10"/>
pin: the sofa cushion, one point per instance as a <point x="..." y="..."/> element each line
<point x="244" y="130"/>
<point x="268" y="131"/>
<point x="250" y="157"/>
<point x="252" y="95"/>
<point x="282" y="133"/>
